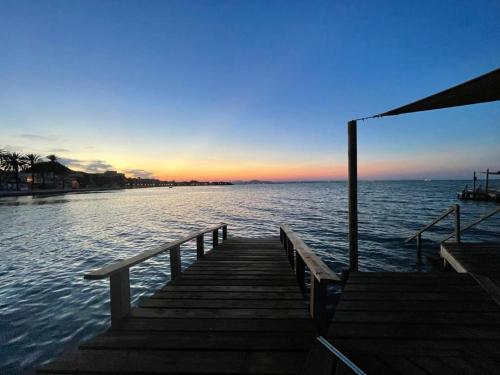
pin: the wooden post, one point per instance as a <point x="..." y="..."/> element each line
<point x="215" y="238"/>
<point x="200" y="247"/>
<point x="317" y="306"/>
<point x="419" y="244"/>
<point x="119" y="291"/>
<point x="224" y="233"/>
<point x="353" y="195"/>
<point x="281" y="235"/>
<point x="457" y="223"/>
<point x="175" y="262"/>
<point x="300" y="271"/>
<point x="291" y="253"/>
<point x="487" y="182"/>
<point x="285" y="242"/>
<point x="474" y="183"/>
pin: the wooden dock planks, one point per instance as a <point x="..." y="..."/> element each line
<point x="478" y="258"/>
<point x="417" y="323"/>
<point x="237" y="310"/>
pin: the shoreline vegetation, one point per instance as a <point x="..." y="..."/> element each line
<point x="32" y="174"/>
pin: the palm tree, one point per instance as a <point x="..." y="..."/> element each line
<point x="13" y="161"/>
<point x="31" y="160"/>
<point x="53" y="159"/>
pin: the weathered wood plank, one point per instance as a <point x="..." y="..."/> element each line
<point x="229" y="295"/>
<point x="437" y="323"/>
<point x="224" y="313"/>
<point x="235" y="341"/>
<point x="223" y="303"/>
<point x="237" y="309"/>
<point x="191" y="362"/>
<point x="219" y="325"/>
<point x="231" y="288"/>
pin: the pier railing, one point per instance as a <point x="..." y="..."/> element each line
<point x="455" y="209"/>
<point x="119" y="275"/>
<point x="300" y="256"/>
<point x="474" y="223"/>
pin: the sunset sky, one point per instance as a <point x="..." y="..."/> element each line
<point x="226" y="90"/>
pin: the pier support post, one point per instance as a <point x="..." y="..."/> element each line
<point x="353" y="194"/>
<point x="215" y="238"/>
<point x="457" y="223"/>
<point x="224" y="233"/>
<point x="317" y="306"/>
<point x="300" y="273"/>
<point x="119" y="293"/>
<point x="200" y="247"/>
<point x="175" y="262"/>
<point x="290" y="253"/>
<point x="487" y="182"/>
<point x="419" y="245"/>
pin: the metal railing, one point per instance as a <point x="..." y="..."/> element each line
<point x="338" y="354"/>
<point x="474" y="223"/>
<point x="119" y="275"/>
<point x="300" y="255"/>
<point x="452" y="209"/>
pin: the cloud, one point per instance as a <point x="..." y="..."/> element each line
<point x="59" y="150"/>
<point x="142" y="173"/>
<point x="91" y="166"/>
<point x="36" y="137"/>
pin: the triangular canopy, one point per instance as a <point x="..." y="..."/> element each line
<point x="485" y="88"/>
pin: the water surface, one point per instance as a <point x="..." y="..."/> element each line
<point x="47" y="244"/>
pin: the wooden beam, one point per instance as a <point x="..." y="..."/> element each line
<point x="353" y="194"/>
<point x="119" y="293"/>
<point x="215" y="237"/>
<point x="200" y="247"/>
<point x="317" y="306"/>
<point x="318" y="268"/>
<point x="457" y="223"/>
<point x="175" y="262"/>
<point x="224" y="233"/>
<point x="300" y="273"/>
<point x="107" y="271"/>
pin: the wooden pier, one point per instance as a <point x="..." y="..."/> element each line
<point x="417" y="323"/>
<point x="238" y="309"/>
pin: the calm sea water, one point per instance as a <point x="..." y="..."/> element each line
<point x="47" y="244"/>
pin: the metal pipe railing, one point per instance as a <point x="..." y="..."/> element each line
<point x="473" y="224"/>
<point x="452" y="209"/>
<point x="338" y="354"/>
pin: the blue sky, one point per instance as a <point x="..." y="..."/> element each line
<point x="247" y="89"/>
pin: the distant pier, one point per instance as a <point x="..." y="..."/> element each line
<point x="478" y="193"/>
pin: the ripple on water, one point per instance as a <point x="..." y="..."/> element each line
<point x="48" y="243"/>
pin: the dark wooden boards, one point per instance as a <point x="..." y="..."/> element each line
<point x="417" y="323"/>
<point x="237" y="310"/>
<point x="477" y="258"/>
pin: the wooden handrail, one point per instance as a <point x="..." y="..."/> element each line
<point x="438" y="219"/>
<point x="468" y="226"/>
<point x="107" y="271"/>
<point x="300" y="256"/>
<point x="315" y="264"/>
<point x="119" y="275"/>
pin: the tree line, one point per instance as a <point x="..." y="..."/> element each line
<point x="14" y="163"/>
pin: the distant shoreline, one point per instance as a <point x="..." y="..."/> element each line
<point x="13" y="193"/>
